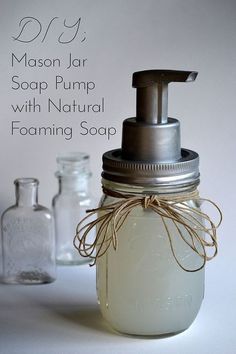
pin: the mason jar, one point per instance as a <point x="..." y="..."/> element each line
<point x="141" y="288"/>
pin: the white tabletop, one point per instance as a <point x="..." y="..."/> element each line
<point x="64" y="318"/>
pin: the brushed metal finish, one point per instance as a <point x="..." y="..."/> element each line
<point x="183" y="171"/>
<point x="146" y="142"/>
<point x="151" y="151"/>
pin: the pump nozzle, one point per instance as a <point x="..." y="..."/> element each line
<point x="152" y="93"/>
<point x="152" y="135"/>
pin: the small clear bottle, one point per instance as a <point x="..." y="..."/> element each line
<point x="70" y="204"/>
<point x="28" y="238"/>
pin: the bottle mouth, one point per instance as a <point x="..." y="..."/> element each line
<point x="72" y="157"/>
<point x="26" y="181"/>
<point x="72" y="164"/>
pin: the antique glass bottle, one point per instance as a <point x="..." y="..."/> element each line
<point x="71" y="202"/>
<point x="28" y="238"/>
<point x="141" y="288"/>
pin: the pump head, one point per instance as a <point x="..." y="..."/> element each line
<point x="152" y="93"/>
<point x="151" y="140"/>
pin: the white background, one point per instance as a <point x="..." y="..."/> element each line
<point x="123" y="37"/>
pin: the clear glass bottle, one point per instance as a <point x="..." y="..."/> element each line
<point x="28" y="238"/>
<point x="70" y="204"/>
<point x="141" y="288"/>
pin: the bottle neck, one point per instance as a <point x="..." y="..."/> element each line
<point x="26" y="192"/>
<point x="79" y="184"/>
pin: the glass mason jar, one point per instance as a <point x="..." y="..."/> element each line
<point x="28" y="238"/>
<point x="141" y="288"/>
<point x="70" y="204"/>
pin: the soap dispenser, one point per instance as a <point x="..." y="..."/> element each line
<point x="152" y="237"/>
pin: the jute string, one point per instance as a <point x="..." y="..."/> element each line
<point x="194" y="227"/>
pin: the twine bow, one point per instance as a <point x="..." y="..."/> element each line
<point x="173" y="207"/>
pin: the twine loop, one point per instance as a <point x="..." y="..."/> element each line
<point x="149" y="200"/>
<point x="191" y="224"/>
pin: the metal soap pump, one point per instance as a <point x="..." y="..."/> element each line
<point x="151" y="150"/>
<point x="150" y="245"/>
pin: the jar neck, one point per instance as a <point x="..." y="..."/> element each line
<point x="149" y="189"/>
<point x="26" y="192"/>
<point x="79" y="184"/>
